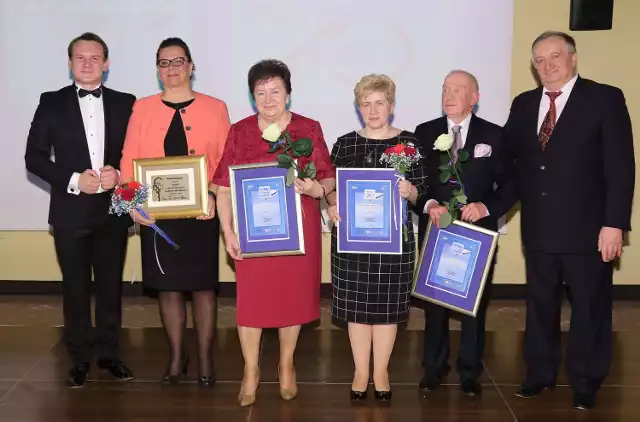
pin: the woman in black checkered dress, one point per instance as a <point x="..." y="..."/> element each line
<point x="372" y="291"/>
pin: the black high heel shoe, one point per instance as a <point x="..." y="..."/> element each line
<point x="175" y="379"/>
<point x="383" y="396"/>
<point x="358" y="395"/>
<point x="207" y="381"/>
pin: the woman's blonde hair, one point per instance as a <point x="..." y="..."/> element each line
<point x="375" y="83"/>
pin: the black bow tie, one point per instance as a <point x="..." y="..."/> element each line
<point x="96" y="92"/>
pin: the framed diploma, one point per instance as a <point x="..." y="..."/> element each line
<point x="178" y="185"/>
<point x="454" y="265"/>
<point x="370" y="208"/>
<point x="267" y="215"/>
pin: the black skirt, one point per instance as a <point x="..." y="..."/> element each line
<point x="194" y="267"/>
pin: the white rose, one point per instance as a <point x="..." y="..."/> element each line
<point x="272" y="133"/>
<point x="444" y="142"/>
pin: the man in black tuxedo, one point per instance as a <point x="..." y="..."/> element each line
<point x="483" y="141"/>
<point x="572" y="144"/>
<point x="85" y="124"/>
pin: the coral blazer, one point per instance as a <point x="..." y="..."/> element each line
<point x="206" y="124"/>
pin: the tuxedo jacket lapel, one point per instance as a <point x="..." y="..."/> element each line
<point x="571" y="114"/>
<point x="474" y="136"/>
<point x="108" y="109"/>
<point x="76" y="125"/>
<point x="531" y="142"/>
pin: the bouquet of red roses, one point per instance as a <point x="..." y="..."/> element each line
<point x="402" y="157"/>
<point x="130" y="196"/>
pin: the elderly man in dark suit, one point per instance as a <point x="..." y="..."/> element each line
<point x="85" y="124"/>
<point x="483" y="141"/>
<point x="572" y="145"/>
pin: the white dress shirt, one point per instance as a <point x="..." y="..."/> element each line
<point x="464" y="130"/>
<point x="92" y="110"/>
<point x="561" y="101"/>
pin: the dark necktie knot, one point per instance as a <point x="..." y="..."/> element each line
<point x="553" y="95"/>
<point x="96" y="92"/>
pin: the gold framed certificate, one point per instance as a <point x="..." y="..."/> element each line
<point x="178" y="186"/>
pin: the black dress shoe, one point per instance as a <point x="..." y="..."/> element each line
<point x="429" y="382"/>
<point x="78" y="375"/>
<point x="116" y="368"/>
<point x="528" y="391"/>
<point x="206" y="381"/>
<point x="584" y="401"/>
<point x="383" y="396"/>
<point x="358" y="395"/>
<point x="471" y="387"/>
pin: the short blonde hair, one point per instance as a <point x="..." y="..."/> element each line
<point x="375" y="83"/>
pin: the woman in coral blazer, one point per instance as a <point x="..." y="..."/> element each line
<point x="179" y="122"/>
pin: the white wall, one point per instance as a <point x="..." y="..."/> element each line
<point x="328" y="45"/>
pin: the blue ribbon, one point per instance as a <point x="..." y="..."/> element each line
<point x="403" y="202"/>
<point x="158" y="229"/>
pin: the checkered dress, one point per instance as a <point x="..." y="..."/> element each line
<point x="373" y="288"/>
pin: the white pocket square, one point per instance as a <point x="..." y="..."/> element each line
<point x="482" y="150"/>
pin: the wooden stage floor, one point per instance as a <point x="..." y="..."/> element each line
<point x="33" y="366"/>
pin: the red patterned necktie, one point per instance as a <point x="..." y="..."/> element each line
<point x="549" y="121"/>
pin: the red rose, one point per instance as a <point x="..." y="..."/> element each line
<point x="133" y="185"/>
<point x="409" y="151"/>
<point x="389" y="151"/>
<point x="128" y="194"/>
<point x="398" y="148"/>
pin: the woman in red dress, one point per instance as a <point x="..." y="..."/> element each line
<point x="284" y="291"/>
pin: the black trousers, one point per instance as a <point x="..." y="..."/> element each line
<point x="589" y="283"/>
<point x="79" y="252"/>
<point x="436" y="348"/>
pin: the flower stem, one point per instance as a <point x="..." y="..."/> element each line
<point x="455" y="170"/>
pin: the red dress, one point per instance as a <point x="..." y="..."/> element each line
<point x="285" y="290"/>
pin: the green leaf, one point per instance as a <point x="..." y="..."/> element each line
<point x="445" y="220"/>
<point x="302" y="147"/>
<point x="310" y="170"/>
<point x="444" y="167"/>
<point x="444" y="176"/>
<point x="284" y="161"/>
<point x="291" y="176"/>
<point x="462" y="198"/>
<point x="463" y="155"/>
<point x="444" y="158"/>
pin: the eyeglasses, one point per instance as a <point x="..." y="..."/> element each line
<point x="177" y="62"/>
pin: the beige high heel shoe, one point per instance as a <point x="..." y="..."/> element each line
<point x="289" y="393"/>
<point x="248" y="399"/>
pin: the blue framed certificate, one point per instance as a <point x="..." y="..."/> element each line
<point x="454" y="265"/>
<point x="370" y="208"/>
<point x="267" y="215"/>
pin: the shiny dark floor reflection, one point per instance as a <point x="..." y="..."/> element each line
<point x="33" y="367"/>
